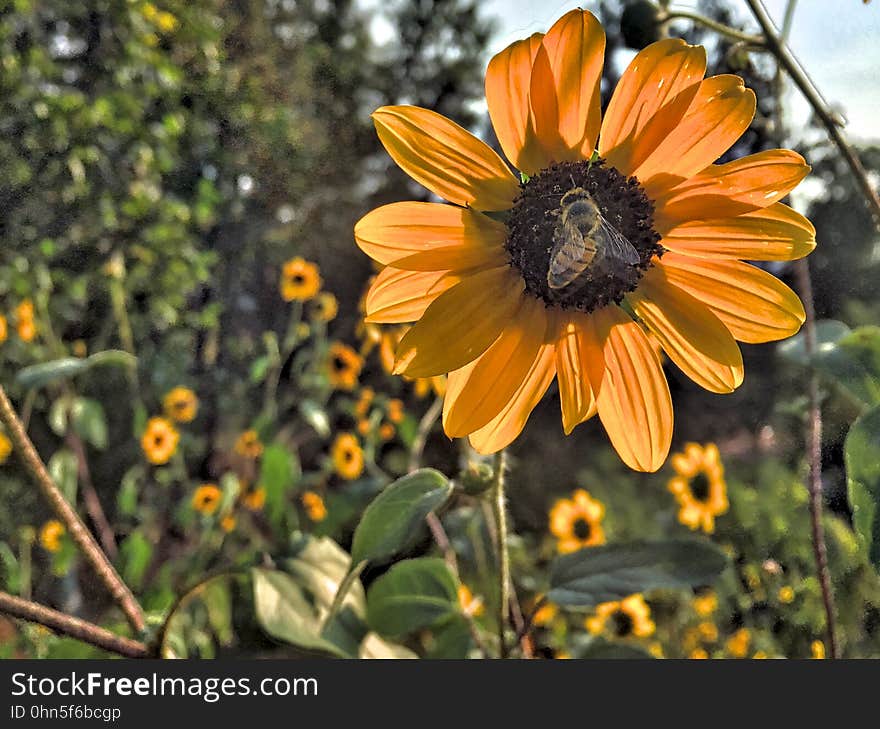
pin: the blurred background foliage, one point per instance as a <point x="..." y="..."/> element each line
<point x="161" y="163"/>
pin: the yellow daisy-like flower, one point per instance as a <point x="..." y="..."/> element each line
<point x="26" y="326"/>
<point x="708" y="631"/>
<point x="5" y="448"/>
<point x="159" y="441"/>
<point x="396" y="410"/>
<point x="348" y="458"/>
<point x="817" y="649"/>
<point x="254" y="500"/>
<point x="4" y="329"/>
<point x="300" y="280"/>
<point x="698" y="654"/>
<point x="387" y="431"/>
<point x="738" y="643"/>
<point x="705" y="603"/>
<point x="51" y="534"/>
<point x="470" y="604"/>
<point x="786" y="594"/>
<point x="365" y="400"/>
<point x="545" y="614"/>
<point x="248" y="444"/>
<point x="699" y="486"/>
<point x="181" y="405"/>
<point x="314" y="505"/>
<point x="622" y="619"/>
<point x="487" y="308"/>
<point x="228" y="523"/>
<point x="325" y="308"/>
<point x="577" y="522"/>
<point x="343" y="366"/>
<point x="206" y="498"/>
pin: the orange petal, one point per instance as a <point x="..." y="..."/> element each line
<point x="461" y="324"/>
<point x="565" y="83"/>
<point x="754" y="305"/>
<point x="504" y="428"/>
<point x="722" y="191"/>
<point x="693" y="337"/>
<point x="579" y="361"/>
<point x="507" y="95"/>
<point x="419" y="236"/>
<point x="719" y="113"/>
<point x="634" y="401"/>
<point x="776" y="233"/>
<point x="445" y="158"/>
<point x="402" y="296"/>
<point x="656" y="76"/>
<point x="479" y="391"/>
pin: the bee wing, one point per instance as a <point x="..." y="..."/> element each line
<point x="569" y="250"/>
<point x="614" y="245"/>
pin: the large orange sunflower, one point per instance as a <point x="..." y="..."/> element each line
<point x="473" y="275"/>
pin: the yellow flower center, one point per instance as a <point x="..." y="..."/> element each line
<point x="546" y="226"/>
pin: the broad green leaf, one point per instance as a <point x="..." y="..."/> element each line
<point x="129" y="490"/>
<point x="451" y="640"/>
<point x="374" y="646"/>
<point x="279" y="472"/>
<point x="58" y="416"/>
<point x="595" y="575"/>
<point x="854" y="363"/>
<point x="285" y="611"/>
<point x="89" y="422"/>
<point x="320" y="565"/>
<point x="413" y="594"/>
<point x="395" y="518"/>
<point x="63" y="468"/>
<point x="862" y="456"/>
<point x="136" y="552"/>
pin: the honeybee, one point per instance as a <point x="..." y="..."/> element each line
<point x="585" y="246"/>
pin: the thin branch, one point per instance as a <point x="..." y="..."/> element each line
<point x="426" y="425"/>
<point x="74" y="627"/>
<point x="90" y="497"/>
<point x="500" y="515"/>
<point x="67" y="514"/>
<point x="721" y="28"/>
<point x="814" y="452"/>
<point x="785" y="58"/>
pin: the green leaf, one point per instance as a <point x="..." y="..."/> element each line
<point x="862" y="457"/>
<point x="58" y="416"/>
<point x="413" y="594"/>
<point x="63" y="468"/>
<point x="279" y="472"/>
<point x="285" y="612"/>
<point x="315" y="416"/>
<point x="595" y="575"/>
<point x="136" y="552"/>
<point x="375" y="646"/>
<point x="393" y="521"/>
<point x="89" y="422"/>
<point x="129" y="489"/>
<point x="64" y="368"/>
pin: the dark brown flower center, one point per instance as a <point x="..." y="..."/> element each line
<point x="536" y="224"/>
<point x="581" y="529"/>
<point x="621" y="623"/>
<point x="700" y="487"/>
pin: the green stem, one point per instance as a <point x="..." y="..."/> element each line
<point x="721" y="28"/>
<point x="503" y="557"/>
<point x="344" y="587"/>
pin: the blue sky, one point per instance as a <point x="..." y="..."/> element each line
<point x="837" y="42"/>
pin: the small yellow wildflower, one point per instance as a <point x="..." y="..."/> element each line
<point x="738" y="643"/>
<point x="705" y="603"/>
<point x="4" y="329"/>
<point x="470" y="605"/>
<point x="699" y="486"/>
<point x="5" y="448"/>
<point x="248" y="444"/>
<point x="181" y="405"/>
<point x="628" y="617"/>
<point x="708" y="631"/>
<point x="300" y="280"/>
<point x="343" y="366"/>
<point x="698" y="654"/>
<point x="348" y="458"/>
<point x="387" y="431"/>
<point x="817" y="649"/>
<point x="159" y="441"/>
<point x="24" y="320"/>
<point x="228" y="522"/>
<point x="314" y="505"/>
<point x="365" y="400"/>
<point x="255" y="499"/>
<point x="206" y="498"/>
<point x="577" y="522"/>
<point x="760" y="655"/>
<point x="396" y="411"/>
<point x="545" y="614"/>
<point x="325" y="308"/>
<point x="786" y="595"/>
<point x="50" y="535"/>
